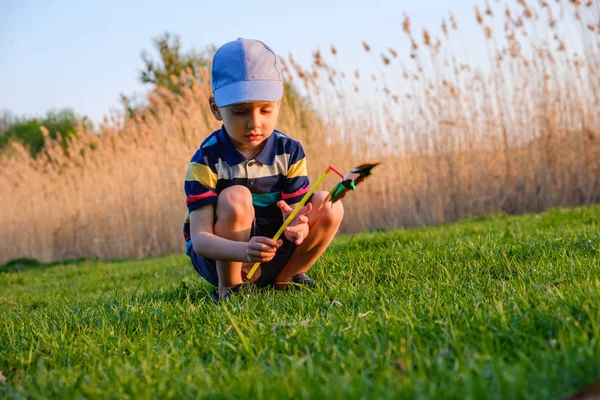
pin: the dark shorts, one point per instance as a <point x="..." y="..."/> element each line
<point x="207" y="268"/>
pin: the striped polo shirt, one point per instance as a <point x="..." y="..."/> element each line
<point x="277" y="172"/>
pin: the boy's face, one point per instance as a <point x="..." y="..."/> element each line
<point x="248" y="124"/>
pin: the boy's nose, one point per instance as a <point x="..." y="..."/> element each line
<point x="254" y="120"/>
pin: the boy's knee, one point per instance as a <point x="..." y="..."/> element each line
<point x="334" y="213"/>
<point x="235" y="201"/>
<point x="330" y="213"/>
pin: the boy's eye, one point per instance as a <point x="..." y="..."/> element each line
<point x="244" y="111"/>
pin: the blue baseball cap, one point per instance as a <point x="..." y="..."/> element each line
<point x="244" y="71"/>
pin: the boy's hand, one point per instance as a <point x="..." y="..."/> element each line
<point x="261" y="249"/>
<point x="297" y="230"/>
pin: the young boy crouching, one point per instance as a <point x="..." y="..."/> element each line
<point x="245" y="178"/>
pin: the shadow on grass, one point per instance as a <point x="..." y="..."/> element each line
<point x="25" y="264"/>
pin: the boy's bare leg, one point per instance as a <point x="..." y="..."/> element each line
<point x="323" y="225"/>
<point x="235" y="215"/>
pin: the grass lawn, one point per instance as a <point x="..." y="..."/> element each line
<point x="501" y="307"/>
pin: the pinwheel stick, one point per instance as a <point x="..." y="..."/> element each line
<point x="301" y="204"/>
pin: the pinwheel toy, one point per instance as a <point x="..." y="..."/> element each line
<point x="349" y="182"/>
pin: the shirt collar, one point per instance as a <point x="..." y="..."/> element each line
<point x="234" y="157"/>
<point x="267" y="154"/>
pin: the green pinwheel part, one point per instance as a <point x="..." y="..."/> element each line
<point x="339" y="188"/>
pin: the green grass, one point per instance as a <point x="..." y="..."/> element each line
<point x="502" y="307"/>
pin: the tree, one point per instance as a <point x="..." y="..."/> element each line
<point x="172" y="62"/>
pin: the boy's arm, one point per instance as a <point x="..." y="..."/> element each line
<point x="296" y="185"/>
<point x="201" y="198"/>
<point x="206" y="243"/>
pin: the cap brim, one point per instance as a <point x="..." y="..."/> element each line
<point x="248" y="91"/>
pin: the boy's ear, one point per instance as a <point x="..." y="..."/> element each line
<point x="214" y="108"/>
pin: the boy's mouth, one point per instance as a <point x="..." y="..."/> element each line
<point x="253" y="137"/>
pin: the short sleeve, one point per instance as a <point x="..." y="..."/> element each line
<point x="200" y="183"/>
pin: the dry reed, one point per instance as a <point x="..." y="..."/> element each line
<point x="455" y="142"/>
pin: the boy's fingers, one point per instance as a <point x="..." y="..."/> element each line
<point x="261" y="256"/>
<point x="308" y="208"/>
<point x="268" y="241"/>
<point x="284" y="206"/>
<point x="305" y="210"/>
<point x="256" y="256"/>
<point x="295" y="228"/>
<point x="274" y="244"/>
<point x="264" y="248"/>
<point x="268" y="246"/>
<point x="299" y="239"/>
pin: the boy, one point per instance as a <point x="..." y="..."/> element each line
<point x="245" y="178"/>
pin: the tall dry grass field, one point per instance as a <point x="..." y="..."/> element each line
<point x="520" y="134"/>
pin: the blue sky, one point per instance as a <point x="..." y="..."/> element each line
<point x="83" y="54"/>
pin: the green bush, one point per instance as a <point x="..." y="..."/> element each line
<point x="61" y="124"/>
